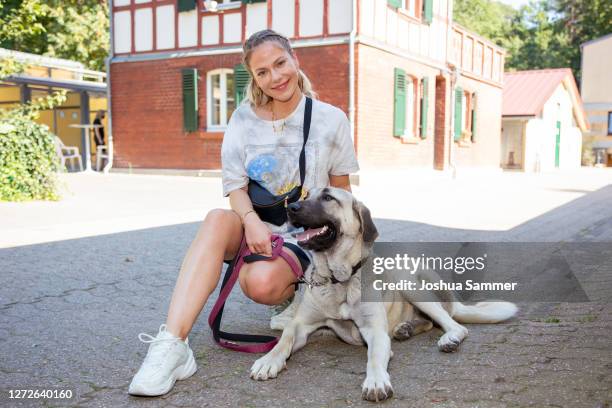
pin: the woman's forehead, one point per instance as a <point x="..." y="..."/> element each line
<point x="266" y="54"/>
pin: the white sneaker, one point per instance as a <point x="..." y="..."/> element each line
<point x="169" y="359"/>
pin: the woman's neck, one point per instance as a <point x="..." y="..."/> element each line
<point x="283" y="109"/>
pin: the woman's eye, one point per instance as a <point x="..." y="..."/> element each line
<point x="281" y="63"/>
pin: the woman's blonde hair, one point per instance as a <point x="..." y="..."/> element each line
<point x="254" y="93"/>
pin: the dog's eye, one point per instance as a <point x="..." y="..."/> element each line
<point x="327" y="197"/>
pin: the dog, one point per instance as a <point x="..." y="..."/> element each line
<point x="339" y="231"/>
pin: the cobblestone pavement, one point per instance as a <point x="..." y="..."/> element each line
<point x="70" y="311"/>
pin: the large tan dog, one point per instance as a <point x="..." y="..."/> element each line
<point x="340" y="232"/>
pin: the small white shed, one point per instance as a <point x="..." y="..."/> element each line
<point x="542" y="121"/>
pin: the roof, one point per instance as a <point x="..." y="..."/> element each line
<point x="605" y="37"/>
<point x="39" y="59"/>
<point x="87" y="86"/>
<point x="526" y="92"/>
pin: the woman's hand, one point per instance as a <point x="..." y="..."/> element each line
<point x="257" y="235"/>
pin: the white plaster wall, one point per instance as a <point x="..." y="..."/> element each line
<point x="165" y="27"/>
<point x="123" y="32"/>
<point x="339" y="16"/>
<point x="143" y="29"/>
<point x="380" y="20"/>
<point x="392" y="28"/>
<point x="232" y="28"/>
<point x="402" y="34"/>
<point x="311" y="18"/>
<point x="366" y="18"/>
<point x="256" y="18"/>
<point x="142" y="1"/>
<point x="119" y="3"/>
<point x="512" y="141"/>
<point x="283" y="17"/>
<point x="188" y="29"/>
<point x="210" y="30"/>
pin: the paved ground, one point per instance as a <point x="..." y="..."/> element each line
<point x="82" y="277"/>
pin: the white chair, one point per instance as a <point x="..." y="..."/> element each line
<point x="101" y="154"/>
<point x="66" y="153"/>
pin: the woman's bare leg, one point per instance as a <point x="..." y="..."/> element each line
<point x="217" y="239"/>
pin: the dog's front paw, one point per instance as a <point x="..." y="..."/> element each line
<point x="377" y="387"/>
<point x="450" y="341"/>
<point x="267" y="367"/>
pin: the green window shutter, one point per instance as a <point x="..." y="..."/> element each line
<point x="428" y="11"/>
<point x="474" y="106"/>
<point x="241" y="80"/>
<point x="458" y="112"/>
<point x="399" y="110"/>
<point x="395" y="3"/>
<point x="424" y="107"/>
<point x="190" y="99"/>
<point x="186" y="5"/>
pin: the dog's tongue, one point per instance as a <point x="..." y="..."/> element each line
<point x="309" y="233"/>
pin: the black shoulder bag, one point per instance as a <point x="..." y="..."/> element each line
<point x="273" y="208"/>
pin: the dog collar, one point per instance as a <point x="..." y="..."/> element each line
<point x="356" y="267"/>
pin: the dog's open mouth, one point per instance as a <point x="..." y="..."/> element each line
<point x="311" y="235"/>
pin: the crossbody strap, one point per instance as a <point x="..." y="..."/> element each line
<point x="307" y="117"/>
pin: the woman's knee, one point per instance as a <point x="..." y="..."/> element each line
<point x="220" y="218"/>
<point x="262" y="286"/>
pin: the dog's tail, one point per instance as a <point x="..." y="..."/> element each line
<point x="484" y="312"/>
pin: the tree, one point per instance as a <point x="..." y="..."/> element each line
<point x="73" y="29"/>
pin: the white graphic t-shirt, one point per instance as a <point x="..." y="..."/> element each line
<point x="269" y="151"/>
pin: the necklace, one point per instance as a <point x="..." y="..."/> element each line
<point x="282" y="128"/>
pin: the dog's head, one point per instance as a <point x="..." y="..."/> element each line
<point x="330" y="215"/>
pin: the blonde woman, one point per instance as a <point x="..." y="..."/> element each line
<point x="262" y="142"/>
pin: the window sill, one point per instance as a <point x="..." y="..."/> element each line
<point x="464" y="143"/>
<point x="215" y="129"/>
<point x="410" y="140"/>
<point x="408" y="15"/>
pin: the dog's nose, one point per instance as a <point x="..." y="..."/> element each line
<point x="294" y="207"/>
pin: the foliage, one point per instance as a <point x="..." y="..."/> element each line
<point x="28" y="158"/>
<point x="542" y="34"/>
<point x="72" y="29"/>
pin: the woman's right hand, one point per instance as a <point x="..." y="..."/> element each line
<point x="257" y="235"/>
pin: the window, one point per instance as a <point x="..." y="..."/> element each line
<point x="405" y="106"/>
<point x="609" y="123"/>
<point x="465" y="115"/>
<point x="424" y="105"/>
<point x="220" y="102"/>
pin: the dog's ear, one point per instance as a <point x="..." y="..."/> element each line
<point x="367" y="227"/>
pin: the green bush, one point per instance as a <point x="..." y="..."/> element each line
<point x="28" y="159"/>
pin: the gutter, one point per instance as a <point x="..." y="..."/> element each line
<point x="110" y="152"/>
<point x="352" y="36"/>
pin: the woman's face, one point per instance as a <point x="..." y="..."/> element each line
<point x="275" y="70"/>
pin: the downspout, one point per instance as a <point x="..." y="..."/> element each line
<point x="352" y="35"/>
<point x="108" y="91"/>
<point x="453" y="80"/>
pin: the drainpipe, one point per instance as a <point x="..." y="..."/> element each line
<point x="352" y="72"/>
<point x="109" y="116"/>
<point x="453" y="80"/>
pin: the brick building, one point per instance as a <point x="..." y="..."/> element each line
<point x="419" y="90"/>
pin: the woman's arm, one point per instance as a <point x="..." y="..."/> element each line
<point x="340" y="182"/>
<point x="257" y="233"/>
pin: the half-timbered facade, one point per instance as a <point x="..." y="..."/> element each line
<point x="419" y="90"/>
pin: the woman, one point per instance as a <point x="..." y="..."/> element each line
<point x="262" y="142"/>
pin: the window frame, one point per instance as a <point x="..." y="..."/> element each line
<point x="223" y="117"/>
<point x="609" y="131"/>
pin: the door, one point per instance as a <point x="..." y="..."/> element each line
<point x="557" y="144"/>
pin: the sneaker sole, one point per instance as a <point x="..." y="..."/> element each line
<point x="180" y="373"/>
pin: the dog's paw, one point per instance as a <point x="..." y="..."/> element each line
<point x="267" y="367"/>
<point x="450" y="341"/>
<point x="403" y="331"/>
<point x="377" y="387"/>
